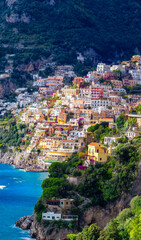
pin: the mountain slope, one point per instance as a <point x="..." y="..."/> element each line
<point x="62" y="28"/>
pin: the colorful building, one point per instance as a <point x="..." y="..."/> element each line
<point x="98" y="152"/>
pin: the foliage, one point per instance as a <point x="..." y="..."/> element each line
<point x="100" y="131"/>
<point x="10" y="135"/>
<point x="67" y="27"/>
<point x="89" y="233"/>
<point x="121" y="121"/>
<point x="138" y="108"/>
<point x="127" y="226"/>
<point x="55" y="187"/>
<point x="136" y="205"/>
<point x="132" y="121"/>
<point x="126" y="153"/>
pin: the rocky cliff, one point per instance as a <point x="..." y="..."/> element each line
<point x="98" y="215"/>
<point x="6" y="87"/>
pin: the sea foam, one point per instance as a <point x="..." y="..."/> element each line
<point x="2" y="187"/>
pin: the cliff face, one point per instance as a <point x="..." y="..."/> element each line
<point x="100" y="216"/>
<point x="48" y="233"/>
<point x="6" y="87"/>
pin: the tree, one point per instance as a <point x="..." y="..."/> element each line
<point x="136" y="204"/>
<point x="125" y="214"/>
<point x="125" y="153"/>
<point x="134" y="228"/>
<point x="112" y="232"/>
<point x="110" y="190"/>
<point x="56" y="169"/>
<point x="121" y="121"/>
<point x="72" y="236"/>
<point x="138" y="108"/>
<point x="55" y="187"/>
<point x="132" y="121"/>
<point x="91" y="232"/>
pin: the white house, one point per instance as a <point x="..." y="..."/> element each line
<point x="102" y="67"/>
<point x="51" y="216"/>
<point x="109" y="140"/>
<point x="120" y="90"/>
<point x="131" y="134"/>
<point x="100" y="103"/>
<point x="136" y="74"/>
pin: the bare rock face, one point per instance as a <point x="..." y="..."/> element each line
<point x="6" y="87"/>
<point x="49" y="233"/>
<point x="102" y="216"/>
<point x="24" y="222"/>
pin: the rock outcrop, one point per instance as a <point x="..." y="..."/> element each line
<point x="49" y="233"/>
<point x="25" y="222"/>
<point x="6" y="87"/>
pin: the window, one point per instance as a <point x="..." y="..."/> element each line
<point x="66" y="203"/>
<point x="100" y="159"/>
<point x="61" y="203"/>
<point x="48" y="216"/>
<point x="97" y="150"/>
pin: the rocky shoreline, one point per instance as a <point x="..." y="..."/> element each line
<point x="98" y="215"/>
<point x="20" y="163"/>
<point x="41" y="233"/>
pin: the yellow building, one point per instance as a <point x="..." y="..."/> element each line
<point x="59" y="155"/>
<point x="117" y="83"/>
<point x="49" y="143"/>
<point x="98" y="151"/>
<point x="62" y="118"/>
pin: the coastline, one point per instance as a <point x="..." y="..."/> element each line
<point x="17" y="163"/>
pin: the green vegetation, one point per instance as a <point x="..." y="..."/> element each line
<point x="88" y="233"/>
<point x="121" y="121"/>
<point x="11" y="133"/>
<point x="67" y="27"/>
<point x="100" y="183"/>
<point x="138" y="109"/>
<point x="55" y="188"/>
<point x="101" y="130"/>
<point x="127" y="226"/>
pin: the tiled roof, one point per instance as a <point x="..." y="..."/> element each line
<point x="94" y="144"/>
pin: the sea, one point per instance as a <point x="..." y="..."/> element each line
<point x="19" y="192"/>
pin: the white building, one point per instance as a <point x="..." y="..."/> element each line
<point x="102" y="67"/>
<point x="88" y="102"/>
<point x="136" y="74"/>
<point x="109" y="140"/>
<point x="120" y="90"/>
<point x="75" y="135"/>
<point x="51" y="216"/>
<point x="100" y="103"/>
<point x="131" y="134"/>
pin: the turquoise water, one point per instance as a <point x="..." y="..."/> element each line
<point x="19" y="191"/>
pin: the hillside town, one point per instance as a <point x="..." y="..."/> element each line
<point x="60" y="116"/>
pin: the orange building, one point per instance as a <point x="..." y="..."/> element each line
<point x="77" y="80"/>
